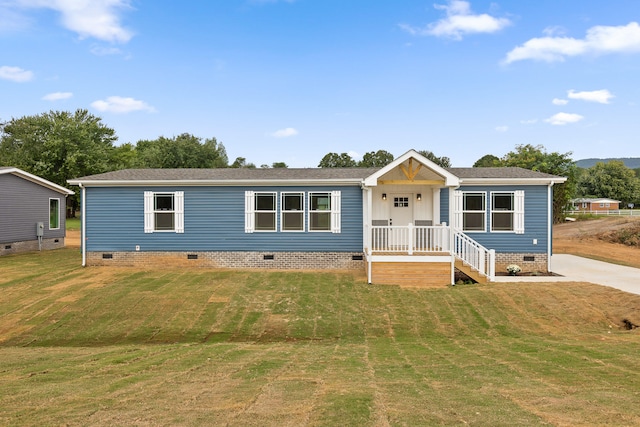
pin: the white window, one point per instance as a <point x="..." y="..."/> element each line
<point x="292" y="212"/>
<point x="164" y="212"/>
<point x="507" y="211"/>
<point x="260" y="211"/>
<point x="324" y="211"/>
<point x="54" y="214"/>
<point x="470" y="210"/>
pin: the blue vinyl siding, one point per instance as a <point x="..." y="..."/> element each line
<point x="213" y="221"/>
<point x="535" y="220"/>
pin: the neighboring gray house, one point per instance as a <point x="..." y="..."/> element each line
<point x="32" y="212"/>
<point x="410" y="222"/>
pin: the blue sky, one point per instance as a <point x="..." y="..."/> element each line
<point x="291" y="80"/>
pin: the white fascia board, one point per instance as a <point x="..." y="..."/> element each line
<point x="37" y="180"/>
<point x="512" y="181"/>
<point x="213" y="183"/>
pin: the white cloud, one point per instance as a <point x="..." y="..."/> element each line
<point x="460" y="21"/>
<point x="354" y="155"/>
<point x="599" y="40"/>
<point x="15" y="74"/>
<point x="558" y="101"/>
<point x="561" y="119"/>
<point x="56" y="96"/>
<point x="601" y="96"/>
<point x="104" y="51"/>
<point x="117" y="104"/>
<point x="529" y="122"/>
<point x="502" y="128"/>
<point x="99" y="19"/>
<point x="285" y="133"/>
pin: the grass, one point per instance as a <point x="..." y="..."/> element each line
<point x="119" y="346"/>
<point x="73" y="224"/>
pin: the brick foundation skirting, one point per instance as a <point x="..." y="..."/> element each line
<point x="538" y="264"/>
<point x="31" y="246"/>
<point x="242" y="260"/>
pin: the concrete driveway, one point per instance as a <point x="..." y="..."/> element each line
<point x="578" y="269"/>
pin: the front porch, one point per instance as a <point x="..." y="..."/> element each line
<point x="425" y="256"/>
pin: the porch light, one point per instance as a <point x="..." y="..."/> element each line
<point x="384" y="196"/>
<point x="419" y="196"/>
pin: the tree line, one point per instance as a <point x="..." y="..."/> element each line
<point x="60" y="145"/>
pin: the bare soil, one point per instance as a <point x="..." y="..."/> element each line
<point x="595" y="239"/>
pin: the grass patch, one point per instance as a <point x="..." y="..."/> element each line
<point x="104" y="346"/>
<point x="73" y="224"/>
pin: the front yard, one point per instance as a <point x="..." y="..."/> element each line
<point x="109" y="346"/>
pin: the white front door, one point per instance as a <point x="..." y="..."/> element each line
<point x="401" y="212"/>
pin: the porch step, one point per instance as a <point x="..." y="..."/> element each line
<point x="471" y="272"/>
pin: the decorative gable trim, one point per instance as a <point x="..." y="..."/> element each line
<point x="449" y="179"/>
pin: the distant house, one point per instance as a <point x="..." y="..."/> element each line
<point x="411" y="222"/>
<point x="32" y="212"/>
<point x="592" y="205"/>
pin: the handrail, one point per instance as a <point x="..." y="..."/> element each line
<point x="410" y="238"/>
<point x="474" y="254"/>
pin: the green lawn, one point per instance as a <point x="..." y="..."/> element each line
<point x="120" y="346"/>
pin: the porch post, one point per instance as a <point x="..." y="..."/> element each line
<point x="410" y="239"/>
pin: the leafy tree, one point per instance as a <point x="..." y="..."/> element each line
<point x="486" y="161"/>
<point x="276" y="165"/>
<point x="182" y="151"/>
<point x="124" y="156"/>
<point x="611" y="180"/>
<point x="374" y="159"/>
<point x="58" y="145"/>
<point x="334" y="160"/>
<point x="241" y="162"/>
<point x="444" y="162"/>
<point x="536" y="158"/>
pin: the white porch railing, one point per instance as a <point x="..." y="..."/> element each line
<point x="411" y="239"/>
<point x="474" y="254"/>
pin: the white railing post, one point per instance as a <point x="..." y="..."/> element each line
<point x="492" y="265"/>
<point x="410" y="239"/>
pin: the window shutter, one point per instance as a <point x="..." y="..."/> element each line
<point x="335" y="212"/>
<point x="148" y="212"/>
<point x="249" y="211"/>
<point x="178" y="200"/>
<point x="518" y="220"/>
<point x="457" y="210"/>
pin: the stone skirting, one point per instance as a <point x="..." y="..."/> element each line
<point x="539" y="263"/>
<point x="31" y="246"/>
<point x="244" y="260"/>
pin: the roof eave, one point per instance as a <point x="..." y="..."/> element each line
<point x="512" y="181"/>
<point x="213" y="183"/>
<point x="37" y="180"/>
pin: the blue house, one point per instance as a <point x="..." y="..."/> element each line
<point x="411" y="222"/>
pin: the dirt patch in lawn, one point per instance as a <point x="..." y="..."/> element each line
<point x="72" y="239"/>
<point x="597" y="239"/>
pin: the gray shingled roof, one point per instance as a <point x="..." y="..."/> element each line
<point x="493" y="173"/>
<point x="292" y="174"/>
<point x="231" y="174"/>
